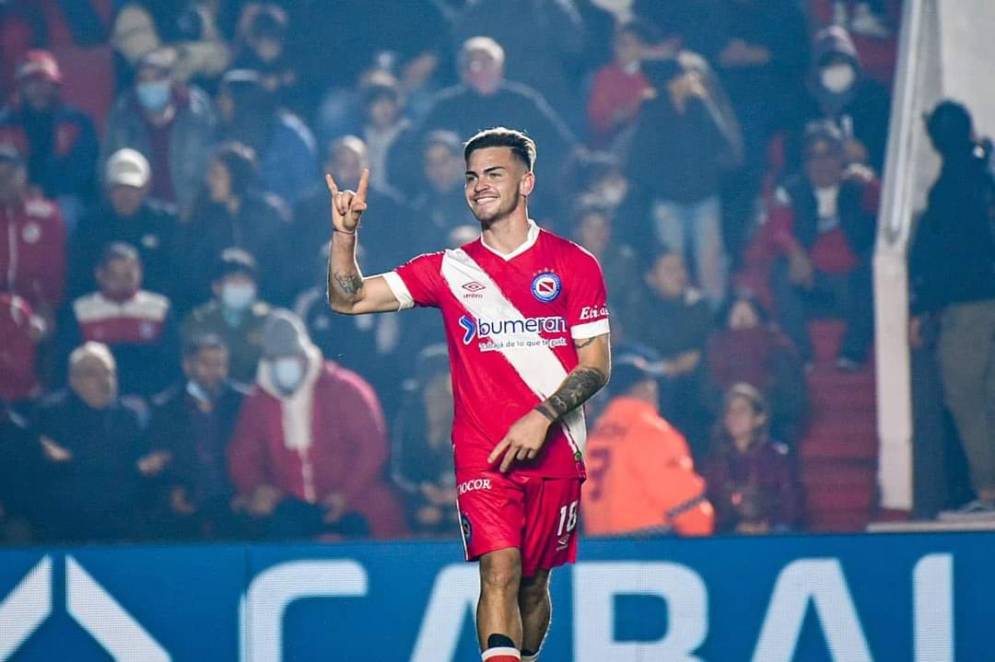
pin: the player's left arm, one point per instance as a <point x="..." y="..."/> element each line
<point x="525" y="438"/>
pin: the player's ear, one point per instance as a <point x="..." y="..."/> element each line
<point x="527" y="183"/>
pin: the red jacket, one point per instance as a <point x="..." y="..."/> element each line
<point x="612" y="90"/>
<point x="346" y="453"/>
<point x="18" y="378"/>
<point x="33" y="251"/>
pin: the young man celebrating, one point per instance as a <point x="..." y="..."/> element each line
<point x="527" y="328"/>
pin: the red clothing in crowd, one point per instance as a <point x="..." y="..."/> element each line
<point x="328" y="437"/>
<point x="33" y="251"/>
<point x="613" y="88"/>
<point x="18" y="337"/>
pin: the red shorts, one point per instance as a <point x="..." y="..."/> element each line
<point x="536" y="515"/>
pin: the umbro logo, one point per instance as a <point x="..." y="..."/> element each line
<point x="473" y="286"/>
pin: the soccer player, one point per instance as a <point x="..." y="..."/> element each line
<point x="527" y="327"/>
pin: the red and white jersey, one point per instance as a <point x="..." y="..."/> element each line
<point x="511" y="322"/>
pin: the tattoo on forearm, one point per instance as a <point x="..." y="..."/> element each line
<point x="579" y="385"/>
<point x="585" y="342"/>
<point x="349" y="283"/>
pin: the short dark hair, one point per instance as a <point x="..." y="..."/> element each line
<point x="241" y="163"/>
<point x="201" y="341"/>
<point x="236" y="261"/>
<point x="523" y="147"/>
<point x="118" y="250"/>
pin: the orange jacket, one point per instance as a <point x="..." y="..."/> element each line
<point x="640" y="476"/>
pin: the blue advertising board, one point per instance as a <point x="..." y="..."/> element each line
<point x="921" y="597"/>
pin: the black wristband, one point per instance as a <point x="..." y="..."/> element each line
<point x="542" y="410"/>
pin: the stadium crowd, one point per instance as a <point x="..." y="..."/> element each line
<point x="170" y="369"/>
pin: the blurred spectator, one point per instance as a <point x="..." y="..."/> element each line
<point x="640" y="472"/>
<point x="422" y="456"/>
<point x="842" y="93"/>
<point x="21" y="473"/>
<point x="232" y="211"/>
<point x="751" y="479"/>
<point x="441" y="202"/>
<point x="20" y="332"/>
<point x="822" y="226"/>
<point x="127" y="214"/>
<point x="677" y="322"/>
<point x="92" y="442"/>
<point x="191" y="28"/>
<point x="952" y="271"/>
<point x="172" y="124"/>
<point x="383" y="110"/>
<point x="868" y="18"/>
<point x="57" y="140"/>
<point x="620" y="88"/>
<point x="483" y="98"/>
<point x="193" y="423"/>
<point x="387" y="224"/>
<point x="311" y="443"/>
<point x="236" y="315"/>
<point x="283" y="144"/>
<point x="137" y="325"/>
<point x="690" y="125"/>
<point x="542" y="39"/>
<point x="32" y="239"/>
<point x="761" y="51"/>
<point x="748" y="348"/>
<point x="262" y="48"/>
<point x="593" y="230"/>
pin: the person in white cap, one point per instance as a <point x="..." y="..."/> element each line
<point x="126" y="214"/>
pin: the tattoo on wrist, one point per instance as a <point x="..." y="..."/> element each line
<point x="542" y="409"/>
<point x="349" y="283"/>
<point x="577" y="388"/>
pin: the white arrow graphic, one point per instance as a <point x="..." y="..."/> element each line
<point x="104" y="618"/>
<point x="25" y="608"/>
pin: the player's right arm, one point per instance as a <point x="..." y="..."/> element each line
<point x="348" y="291"/>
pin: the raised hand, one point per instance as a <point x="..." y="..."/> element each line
<point x="348" y="206"/>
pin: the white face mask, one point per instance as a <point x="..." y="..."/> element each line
<point x="238" y="296"/>
<point x="287" y="372"/>
<point x="838" y="77"/>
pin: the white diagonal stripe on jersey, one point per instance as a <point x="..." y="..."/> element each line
<point x="538" y="366"/>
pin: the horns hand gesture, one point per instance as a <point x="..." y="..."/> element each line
<point x="348" y="206"/>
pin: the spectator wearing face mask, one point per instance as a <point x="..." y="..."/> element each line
<point x="170" y="123"/>
<point x="840" y="92"/>
<point x="236" y="315"/>
<point x="137" y="325"/>
<point x="311" y="444"/>
<point x="127" y="214"/>
<point x="58" y="141"/>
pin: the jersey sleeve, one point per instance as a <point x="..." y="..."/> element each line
<point x="417" y="282"/>
<point x="587" y="298"/>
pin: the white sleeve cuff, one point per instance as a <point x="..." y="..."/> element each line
<point x="399" y="290"/>
<point x="590" y="329"/>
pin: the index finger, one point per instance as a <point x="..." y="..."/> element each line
<point x="364" y="182"/>
<point x="496" y="453"/>
<point x="509" y="456"/>
<point x="332" y="186"/>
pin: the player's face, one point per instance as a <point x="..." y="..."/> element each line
<point x="496" y="183"/>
